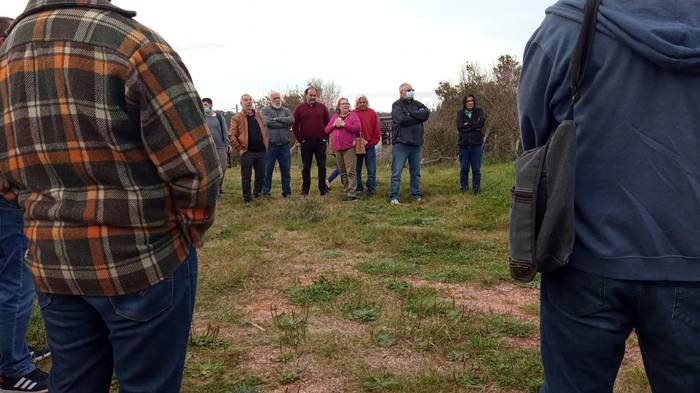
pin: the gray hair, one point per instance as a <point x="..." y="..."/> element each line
<point x="341" y="99"/>
<point x="273" y="93"/>
<point x="361" y="96"/>
<point x="404" y="85"/>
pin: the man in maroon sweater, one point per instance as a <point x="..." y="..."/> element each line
<point x="310" y="119"/>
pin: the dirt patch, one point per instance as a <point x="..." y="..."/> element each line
<point x="399" y="361"/>
<point x="503" y="298"/>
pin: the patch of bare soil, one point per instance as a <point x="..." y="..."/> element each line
<point x="503" y="298"/>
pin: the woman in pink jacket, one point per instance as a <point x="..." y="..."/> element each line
<point x="344" y="127"/>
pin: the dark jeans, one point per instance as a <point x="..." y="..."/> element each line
<point x="16" y="293"/>
<point x="274" y="154"/>
<point x="142" y="336"/>
<point x="470" y="156"/>
<point x="309" y="150"/>
<point x="252" y="161"/>
<point x="401" y="153"/>
<point x="370" y="159"/>
<point x="586" y="319"/>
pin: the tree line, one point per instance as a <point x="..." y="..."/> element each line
<point x="496" y="93"/>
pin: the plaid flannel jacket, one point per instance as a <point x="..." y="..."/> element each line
<point x="104" y="145"/>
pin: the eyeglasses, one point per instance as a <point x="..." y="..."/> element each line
<point x="410" y="90"/>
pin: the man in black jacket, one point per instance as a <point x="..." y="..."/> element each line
<point x="408" y="116"/>
<point x="470" y="121"/>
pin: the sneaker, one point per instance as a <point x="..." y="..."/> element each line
<point x="35" y="381"/>
<point x="418" y="199"/>
<point x="38" y="354"/>
<point x="328" y="185"/>
<point x="394" y="202"/>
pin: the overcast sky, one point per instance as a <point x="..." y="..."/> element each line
<point x="365" y="46"/>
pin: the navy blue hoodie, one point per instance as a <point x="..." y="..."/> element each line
<point x="638" y="133"/>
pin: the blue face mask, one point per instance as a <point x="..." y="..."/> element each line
<point x="207" y="110"/>
<point x="410" y="95"/>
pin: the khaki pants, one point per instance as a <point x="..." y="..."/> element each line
<point x="347" y="163"/>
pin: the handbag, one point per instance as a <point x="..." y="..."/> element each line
<point x="360" y="145"/>
<point x="542" y="215"/>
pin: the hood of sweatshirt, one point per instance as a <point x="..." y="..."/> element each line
<point x="667" y="33"/>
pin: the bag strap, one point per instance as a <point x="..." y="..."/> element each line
<point x="582" y="51"/>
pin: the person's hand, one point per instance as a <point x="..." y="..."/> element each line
<point x="228" y="149"/>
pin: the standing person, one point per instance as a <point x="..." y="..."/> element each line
<point x="112" y="161"/>
<point x="279" y="121"/>
<point x="16" y="296"/>
<point x="408" y="116"/>
<point x="219" y="132"/>
<point x="249" y="138"/>
<point x="636" y="259"/>
<point x="310" y="119"/>
<point x="470" y="122"/>
<point x="345" y="125"/>
<point x="371" y="132"/>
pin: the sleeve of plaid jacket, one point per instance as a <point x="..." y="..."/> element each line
<point x="176" y="135"/>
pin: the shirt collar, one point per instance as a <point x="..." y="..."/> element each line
<point x="35" y="6"/>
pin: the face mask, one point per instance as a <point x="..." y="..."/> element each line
<point x="410" y="95"/>
<point x="207" y="110"/>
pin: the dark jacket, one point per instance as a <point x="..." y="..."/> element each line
<point x="470" y="133"/>
<point x="407" y="118"/>
<point x="278" y="123"/>
<point x="637" y="162"/>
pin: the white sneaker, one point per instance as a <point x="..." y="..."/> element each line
<point x="418" y="199"/>
<point x="394" y="202"/>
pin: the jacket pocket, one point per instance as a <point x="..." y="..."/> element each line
<point x="147" y="304"/>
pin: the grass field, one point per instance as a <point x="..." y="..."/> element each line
<point x="320" y="295"/>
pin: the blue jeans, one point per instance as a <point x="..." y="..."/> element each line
<point x="470" y="156"/>
<point x="586" y="319"/>
<point x="401" y="153"/>
<point x="141" y="336"/>
<point x="370" y="159"/>
<point x="333" y="175"/>
<point x="16" y="293"/>
<point x="281" y="154"/>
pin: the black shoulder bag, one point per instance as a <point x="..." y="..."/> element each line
<point x="542" y="205"/>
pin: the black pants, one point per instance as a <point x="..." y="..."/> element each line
<point x="309" y="149"/>
<point x="252" y="161"/>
